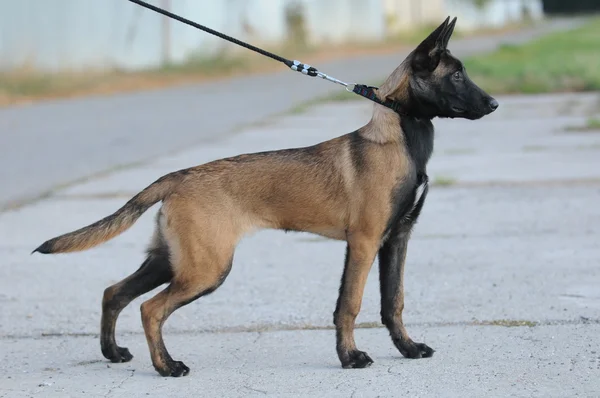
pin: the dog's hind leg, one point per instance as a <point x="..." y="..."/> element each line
<point x="182" y="291"/>
<point x="201" y="247"/>
<point x="360" y="253"/>
<point x="154" y="272"/>
<point x="392" y="256"/>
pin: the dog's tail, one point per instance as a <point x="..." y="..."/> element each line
<point x="115" y="224"/>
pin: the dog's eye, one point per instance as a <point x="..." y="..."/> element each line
<point x="457" y="75"/>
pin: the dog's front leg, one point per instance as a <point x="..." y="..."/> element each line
<point x="392" y="256"/>
<point x="360" y="254"/>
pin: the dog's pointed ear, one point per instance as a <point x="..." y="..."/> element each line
<point x="447" y="34"/>
<point x="427" y="54"/>
<point x="434" y="38"/>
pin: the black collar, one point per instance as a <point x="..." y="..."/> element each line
<point x="369" y="93"/>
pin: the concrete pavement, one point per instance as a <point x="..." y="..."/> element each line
<point x="57" y="142"/>
<point x="502" y="277"/>
<point x="544" y="361"/>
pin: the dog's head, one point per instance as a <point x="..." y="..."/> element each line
<point x="434" y="83"/>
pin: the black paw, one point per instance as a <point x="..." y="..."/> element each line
<point x="117" y="354"/>
<point x="174" y="369"/>
<point x="356" y="360"/>
<point x="410" y="349"/>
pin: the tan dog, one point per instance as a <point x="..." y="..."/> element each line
<point x="366" y="187"/>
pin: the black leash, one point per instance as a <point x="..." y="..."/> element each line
<point x="360" y="89"/>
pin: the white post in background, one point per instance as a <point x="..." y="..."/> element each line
<point x="166" y="33"/>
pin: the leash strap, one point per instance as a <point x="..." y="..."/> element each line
<point x="360" y="89"/>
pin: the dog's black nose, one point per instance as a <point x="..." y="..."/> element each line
<point x="493" y="104"/>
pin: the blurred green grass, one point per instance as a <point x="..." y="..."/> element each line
<point x="560" y="62"/>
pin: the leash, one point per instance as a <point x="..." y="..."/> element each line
<point x="360" y="89"/>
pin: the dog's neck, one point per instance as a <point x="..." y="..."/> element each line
<point x="384" y="126"/>
<point x="415" y="134"/>
<point x="406" y="128"/>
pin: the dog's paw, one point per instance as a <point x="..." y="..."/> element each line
<point x="410" y="349"/>
<point x="173" y="369"/>
<point x="356" y="360"/>
<point x="118" y="354"/>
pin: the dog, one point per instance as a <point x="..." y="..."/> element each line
<point x="366" y="188"/>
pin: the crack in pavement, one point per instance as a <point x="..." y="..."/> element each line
<point x="257" y="337"/>
<point x="255" y="390"/>
<point x="246" y="384"/>
<point x="120" y="383"/>
<point x="300" y="327"/>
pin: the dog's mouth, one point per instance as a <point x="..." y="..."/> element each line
<point x="458" y="110"/>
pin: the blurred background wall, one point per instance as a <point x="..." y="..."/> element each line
<point x="77" y="34"/>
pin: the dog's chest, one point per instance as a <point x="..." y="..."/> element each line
<point x="418" y="138"/>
